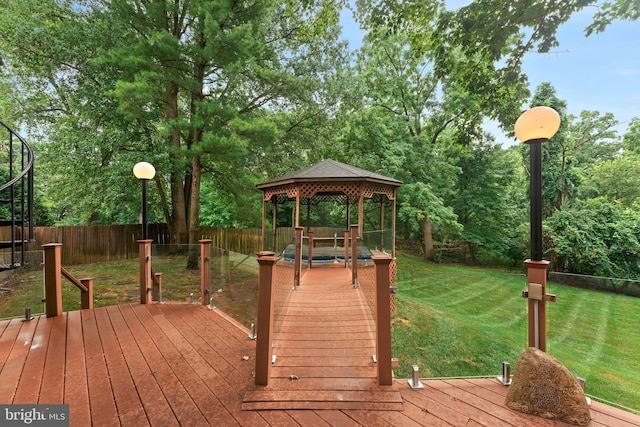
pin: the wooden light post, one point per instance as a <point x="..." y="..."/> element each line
<point x="534" y="127"/>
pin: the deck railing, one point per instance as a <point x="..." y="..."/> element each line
<point x="53" y="273"/>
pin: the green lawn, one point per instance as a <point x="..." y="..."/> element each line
<point x="117" y="282"/>
<point x="461" y="321"/>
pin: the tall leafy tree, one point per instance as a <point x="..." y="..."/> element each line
<point x="579" y="143"/>
<point x="415" y="74"/>
<point x="58" y="97"/>
<point x="194" y="87"/>
<point x="483" y="202"/>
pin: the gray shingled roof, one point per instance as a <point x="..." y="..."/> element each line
<point x="329" y="170"/>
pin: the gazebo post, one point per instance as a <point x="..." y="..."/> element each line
<point x="354" y="254"/>
<point x="361" y="211"/>
<point x="346" y="248"/>
<point x="310" y="248"/>
<point x="382" y="222"/>
<point x="264" y="224"/>
<point x="348" y="213"/>
<point x="297" y="258"/>
<point x="274" y="226"/>
<point x="393" y="225"/>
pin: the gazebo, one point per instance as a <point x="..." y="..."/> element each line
<point x="332" y="181"/>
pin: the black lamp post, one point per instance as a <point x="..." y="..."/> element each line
<point x="144" y="172"/>
<point x="534" y="127"/>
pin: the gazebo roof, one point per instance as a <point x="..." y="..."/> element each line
<point x="329" y="171"/>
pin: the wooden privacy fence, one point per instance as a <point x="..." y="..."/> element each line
<point x="101" y="243"/>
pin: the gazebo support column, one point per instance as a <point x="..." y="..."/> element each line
<point x="346" y="248"/>
<point x="310" y="249"/>
<point x="297" y="223"/>
<point x="264" y="224"/>
<point x="354" y="254"/>
<point x="297" y="258"/>
<point x="382" y="223"/>
<point x="361" y="211"/>
<point x="393" y="226"/>
<point x="274" y="227"/>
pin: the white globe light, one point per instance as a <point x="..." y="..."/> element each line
<point x="144" y="170"/>
<point x="537" y="123"/>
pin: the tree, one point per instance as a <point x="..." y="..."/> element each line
<point x="612" y="10"/>
<point x="595" y="237"/>
<point x="404" y="95"/>
<point x="576" y="145"/>
<point x="483" y="203"/>
<point x="617" y="181"/>
<point x="195" y="88"/>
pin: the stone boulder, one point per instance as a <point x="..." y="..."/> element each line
<point x="542" y="386"/>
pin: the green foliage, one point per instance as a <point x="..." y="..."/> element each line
<point x="595" y="237"/>
<point x="611" y="10"/>
<point x="617" y="180"/>
<point x="482" y="201"/>
<point x="631" y="139"/>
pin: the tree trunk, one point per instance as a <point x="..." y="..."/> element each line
<point x="194" y="214"/>
<point x="178" y="225"/>
<point x="192" y="185"/>
<point x="428" y="239"/>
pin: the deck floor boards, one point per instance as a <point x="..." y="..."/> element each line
<point x="182" y="364"/>
<point x="324" y="346"/>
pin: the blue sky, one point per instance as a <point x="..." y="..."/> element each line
<point x="598" y="73"/>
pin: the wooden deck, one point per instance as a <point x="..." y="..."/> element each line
<point x="182" y="364"/>
<point x="324" y="350"/>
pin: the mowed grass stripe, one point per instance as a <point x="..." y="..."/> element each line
<point x="457" y="321"/>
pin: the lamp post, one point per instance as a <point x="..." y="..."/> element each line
<point x="534" y="127"/>
<point x="144" y="172"/>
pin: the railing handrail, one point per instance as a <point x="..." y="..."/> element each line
<point x="73" y="280"/>
<point x="27" y="167"/>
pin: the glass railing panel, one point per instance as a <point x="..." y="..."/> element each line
<point x="456" y="321"/>
<point x="180" y="268"/>
<point x="283" y="288"/>
<point x="23" y="287"/>
<point x="595" y="335"/>
<point x="114" y="282"/>
<point x="234" y="284"/>
<point x="378" y="240"/>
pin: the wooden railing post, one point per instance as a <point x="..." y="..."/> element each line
<point x="264" y="324"/>
<point x="86" y="297"/>
<point x="383" y="319"/>
<point x="297" y="257"/>
<point x="205" y="271"/>
<point x="310" y="251"/>
<point x="156" y="288"/>
<point x="354" y="254"/>
<point x="144" y="253"/>
<point x="537" y="305"/>
<point x="52" y="279"/>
